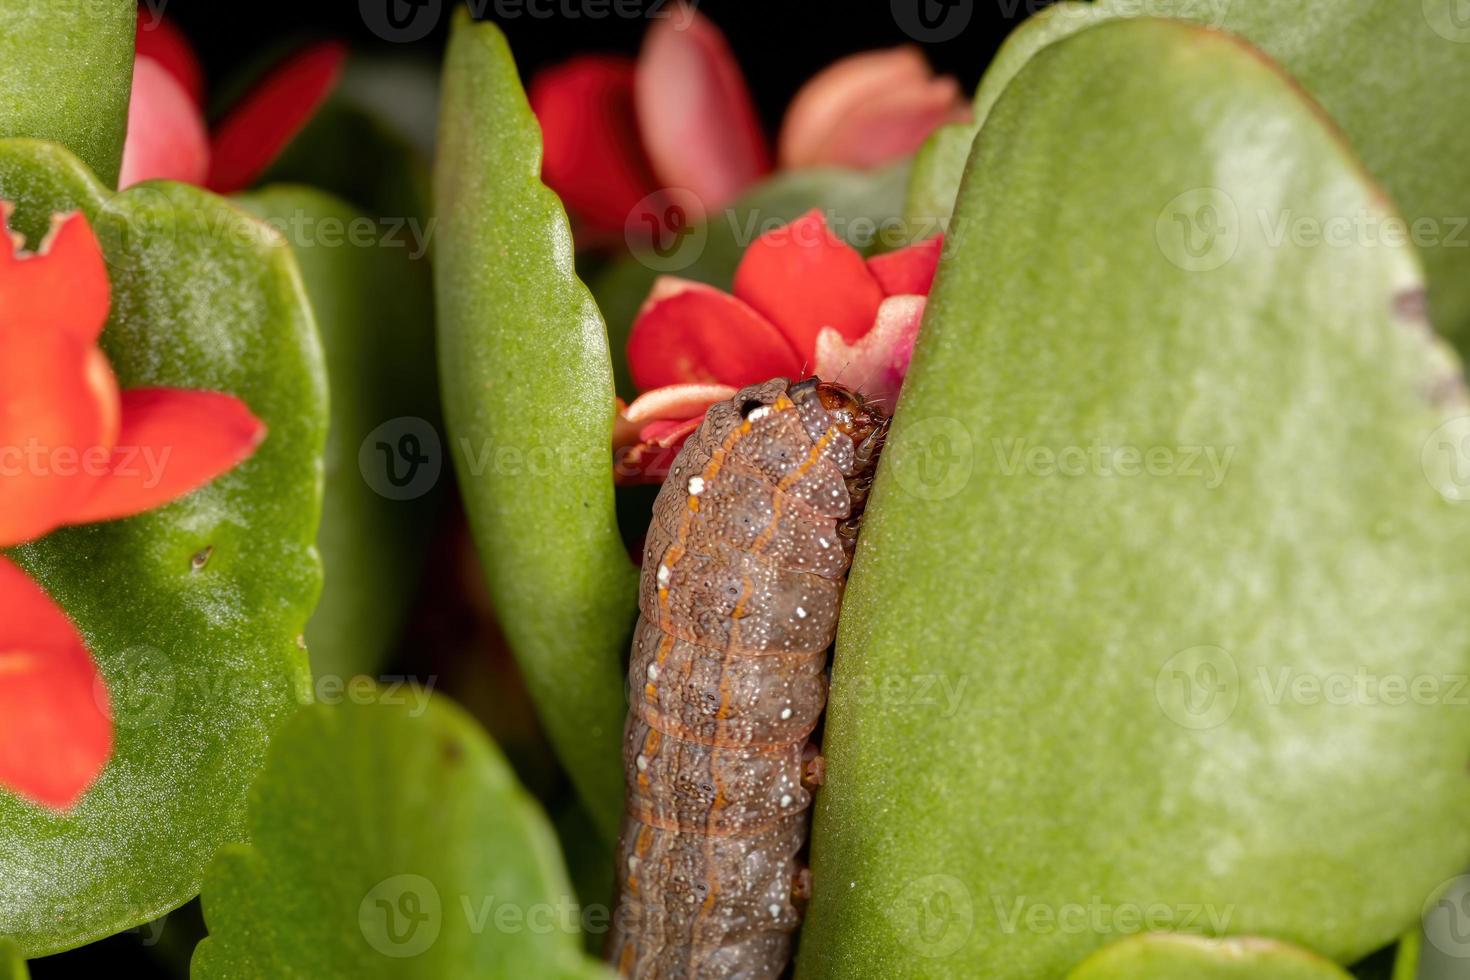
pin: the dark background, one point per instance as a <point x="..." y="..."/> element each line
<point x="779" y="45"/>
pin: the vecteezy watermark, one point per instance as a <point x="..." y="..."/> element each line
<point x="667" y="229"/>
<point x="1198" y="687"/>
<point x="1446" y="917"/>
<point x="401" y="916"/>
<point x="1450" y="19"/>
<point x="940" y="693"/>
<point x="936" y="915"/>
<point x="402" y="458"/>
<point x="1208" y="464"/>
<point x="1199" y="230"/>
<point x="1445" y="459"/>
<point x="406" y="21"/>
<point x="37" y="459"/>
<point x="931" y="458"/>
<point x="1099" y="917"/>
<point x="932" y="21"/>
<point x="1360" y="686"/>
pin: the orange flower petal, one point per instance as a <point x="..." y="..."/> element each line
<point x="802" y="278"/>
<point x="58" y="420"/>
<point x="688" y="332"/>
<point x="695" y="112"/>
<point x="256" y="130"/>
<point x="908" y="271"/>
<point x="62" y="286"/>
<point x="592" y="158"/>
<point x="55" y="721"/>
<point x="166" y="134"/>
<point x="160" y="40"/>
<point x="172" y="441"/>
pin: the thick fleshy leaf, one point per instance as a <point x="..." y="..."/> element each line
<point x="57" y="285"/>
<point x="908" y="271"/>
<point x="160" y="40"/>
<point x="255" y="131"/>
<point x="594" y="157"/>
<point x="803" y="277"/>
<point x="695" y="112"/>
<point x="194" y="611"/>
<point x="1163" y="956"/>
<point x="12" y="963"/>
<point x="390" y="839"/>
<point x="373" y="306"/>
<point x="66" y="71"/>
<point x="1132" y="534"/>
<point x="876" y="363"/>
<point x="1364" y="62"/>
<point x="521" y="342"/>
<point x="172" y="441"/>
<point x="690" y="333"/>
<point x="55" y="729"/>
<point x="864" y="208"/>
<point x="166" y="134"/>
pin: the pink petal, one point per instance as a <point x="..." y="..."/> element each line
<point x="172" y="441"/>
<point x="877" y="363"/>
<point x="255" y="131"/>
<point x="55" y="721"/>
<point x="802" y="278"/>
<point x="689" y="332"/>
<point x="697" y="118"/>
<point x="592" y="154"/>
<point x="160" y="40"/>
<point x="166" y="135"/>
<point x="909" y="270"/>
<point x="867" y="110"/>
<point x="676" y="401"/>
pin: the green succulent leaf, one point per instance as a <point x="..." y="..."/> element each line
<point x="12" y="964"/>
<point x="373" y="303"/>
<point x="1193" y="481"/>
<point x="865" y="209"/>
<point x="1390" y="73"/>
<point x="389" y="838"/>
<point x="66" y="71"/>
<point x="194" y="611"/>
<point x="1164" y="956"/>
<point x="1406" y="961"/>
<point x="528" y="397"/>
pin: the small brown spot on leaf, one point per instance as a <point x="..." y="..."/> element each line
<point x="201" y="557"/>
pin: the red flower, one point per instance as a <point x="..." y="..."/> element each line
<point x="167" y="137"/>
<point x="69" y="446"/>
<point x="804" y="302"/>
<point x="617" y="131"/>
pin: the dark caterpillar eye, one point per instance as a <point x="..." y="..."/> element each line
<point x="748" y="406"/>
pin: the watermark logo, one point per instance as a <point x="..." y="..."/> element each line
<point x="401" y="916"/>
<point x="402" y="458"/>
<point x="666" y="229"/>
<point x="932" y="458"/>
<point x="1199" y="230"/>
<point x="937" y="915"/>
<point x="401" y="21"/>
<point x="1445" y="459"/>
<point x="1450" y="19"/>
<point x="1199" y="687"/>
<point x="143" y="689"/>
<point x="1447" y="918"/>
<point x="932" y="21"/>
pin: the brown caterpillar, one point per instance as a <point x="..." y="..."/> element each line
<point x="743" y="571"/>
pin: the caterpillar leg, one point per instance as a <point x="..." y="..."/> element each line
<point x="813" y="767"/>
<point x="801" y="885"/>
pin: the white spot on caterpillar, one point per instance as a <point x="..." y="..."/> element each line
<point x="759" y="413"/>
<point x="653" y="671"/>
<point x="775" y="910"/>
<point x="663" y="576"/>
<point x="641" y="762"/>
<point x="633" y="863"/>
<point x="824" y="542"/>
<point x="801" y="612"/>
<point x="785" y="713"/>
<point x="786" y="799"/>
<point x="696" y="486"/>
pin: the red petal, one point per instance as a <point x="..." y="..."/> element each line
<point x="695" y="111"/>
<point x="802" y="278"/>
<point x="160" y="40"/>
<point x="909" y="271"/>
<point x="58" y="420"/>
<point x="262" y="124"/>
<point x="62" y="286"/>
<point x="167" y="139"/>
<point x="676" y="401"/>
<point x="592" y="155"/>
<point x="172" y="441"/>
<point x="690" y="332"/>
<point x="867" y="110"/>
<point x="55" y="721"/>
<point x="877" y="363"/>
